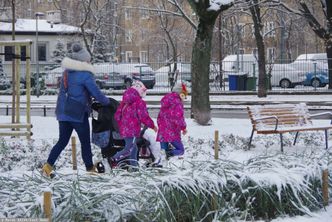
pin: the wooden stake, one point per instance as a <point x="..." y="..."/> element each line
<point x="73" y="150"/>
<point x="48" y="205"/>
<point x="216" y="144"/>
<point x="325" y="187"/>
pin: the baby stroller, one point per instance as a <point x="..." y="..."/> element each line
<point x="105" y="134"/>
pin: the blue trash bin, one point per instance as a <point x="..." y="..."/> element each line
<point x="233" y="81"/>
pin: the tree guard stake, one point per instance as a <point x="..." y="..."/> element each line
<point x="73" y="150"/>
<point x="325" y="187"/>
<point x="48" y="205"/>
<point x="216" y="144"/>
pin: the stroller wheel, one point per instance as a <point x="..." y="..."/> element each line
<point x="156" y="165"/>
<point x="112" y="162"/>
<point x="100" y="167"/>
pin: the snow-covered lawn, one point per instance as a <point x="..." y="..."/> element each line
<point x="122" y="193"/>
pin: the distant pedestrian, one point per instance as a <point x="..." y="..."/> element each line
<point x="77" y="86"/>
<point x="131" y="113"/>
<point x="171" y="121"/>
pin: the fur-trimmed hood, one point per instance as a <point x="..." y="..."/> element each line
<point x="68" y="63"/>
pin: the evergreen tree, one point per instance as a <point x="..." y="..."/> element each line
<point x="57" y="56"/>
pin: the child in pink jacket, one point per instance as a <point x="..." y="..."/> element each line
<point x="171" y="121"/>
<point x="131" y="113"/>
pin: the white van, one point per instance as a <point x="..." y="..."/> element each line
<point x="242" y="63"/>
<point x="308" y="62"/>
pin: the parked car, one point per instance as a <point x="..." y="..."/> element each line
<point x="285" y="76"/>
<point x="184" y="73"/>
<point x="310" y="62"/>
<point x="110" y="80"/>
<point x="138" y="71"/>
<point x="53" y="77"/>
<point x="318" y="79"/>
<point x="242" y="63"/>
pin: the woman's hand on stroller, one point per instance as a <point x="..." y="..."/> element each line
<point x="96" y="105"/>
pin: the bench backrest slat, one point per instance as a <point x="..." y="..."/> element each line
<point x="287" y="114"/>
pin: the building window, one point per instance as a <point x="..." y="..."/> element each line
<point x="128" y="14"/>
<point x="143" y="34"/>
<point x="9" y="52"/>
<point x="23" y="53"/>
<point x="144" y="14"/>
<point x="255" y="52"/>
<point x="253" y="30"/>
<point x="269" y="29"/>
<point x="271" y="54"/>
<point x="241" y="29"/>
<point x="129" y="55"/>
<point x="129" y="36"/>
<point x="143" y="56"/>
<point x="42" y="51"/>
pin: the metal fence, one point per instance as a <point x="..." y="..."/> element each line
<point x="300" y="75"/>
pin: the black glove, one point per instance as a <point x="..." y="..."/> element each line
<point x="96" y="105"/>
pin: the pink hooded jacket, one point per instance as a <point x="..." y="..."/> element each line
<point x="171" y="118"/>
<point x="131" y="112"/>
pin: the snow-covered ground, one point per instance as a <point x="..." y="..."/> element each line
<point x="232" y="133"/>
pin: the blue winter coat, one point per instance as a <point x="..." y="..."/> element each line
<point x="81" y="87"/>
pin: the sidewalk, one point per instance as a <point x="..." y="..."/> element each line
<point x="321" y="101"/>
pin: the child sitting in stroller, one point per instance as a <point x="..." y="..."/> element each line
<point x="105" y="134"/>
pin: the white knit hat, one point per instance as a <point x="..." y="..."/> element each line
<point x="140" y="88"/>
<point x="79" y="53"/>
<point x="180" y="88"/>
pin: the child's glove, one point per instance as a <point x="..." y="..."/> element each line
<point x="184" y="132"/>
<point x="155" y="129"/>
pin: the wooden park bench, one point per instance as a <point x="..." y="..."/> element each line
<point x="284" y="118"/>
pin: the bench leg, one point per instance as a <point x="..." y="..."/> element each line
<point x="252" y="134"/>
<point x="297" y="133"/>
<point x="281" y="143"/>
<point x="326" y="141"/>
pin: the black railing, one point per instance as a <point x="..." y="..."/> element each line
<point x="300" y="75"/>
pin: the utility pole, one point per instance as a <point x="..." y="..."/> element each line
<point x="37" y="14"/>
<point x="282" y="38"/>
<point x="220" y="51"/>
<point x="13" y="63"/>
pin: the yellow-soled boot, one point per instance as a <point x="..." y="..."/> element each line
<point x="48" y="170"/>
<point x="92" y="170"/>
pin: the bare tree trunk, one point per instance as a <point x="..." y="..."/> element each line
<point x="329" y="61"/>
<point x="201" y="57"/>
<point x="13" y="5"/>
<point x="258" y="26"/>
<point x="328" y="42"/>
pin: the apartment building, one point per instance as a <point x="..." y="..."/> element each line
<point x="285" y="34"/>
<point x="134" y="31"/>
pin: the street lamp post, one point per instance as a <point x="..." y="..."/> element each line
<point x="37" y="14"/>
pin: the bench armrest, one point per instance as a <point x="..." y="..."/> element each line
<point x="269" y="117"/>
<point x="321" y="114"/>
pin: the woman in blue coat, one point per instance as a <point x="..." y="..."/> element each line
<point x="73" y="106"/>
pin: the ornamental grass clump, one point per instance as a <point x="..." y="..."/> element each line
<point x="197" y="188"/>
